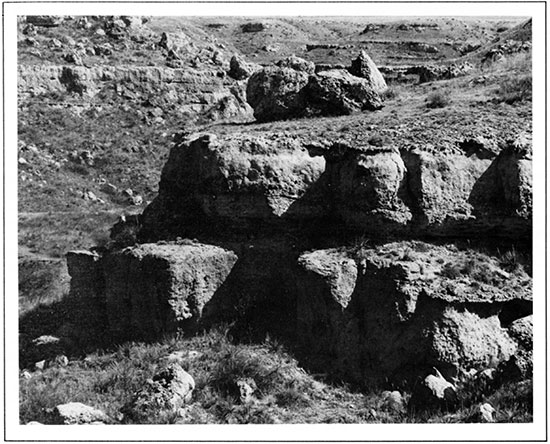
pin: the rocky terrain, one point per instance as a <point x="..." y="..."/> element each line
<point x="358" y="191"/>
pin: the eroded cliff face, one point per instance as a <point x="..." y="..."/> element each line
<point x="364" y="313"/>
<point x="282" y="179"/>
<point x="195" y="92"/>
<point x="405" y="307"/>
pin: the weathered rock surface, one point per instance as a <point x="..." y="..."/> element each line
<point x="86" y="318"/>
<point x="484" y="413"/>
<point x="293" y="89"/>
<point x="41" y="277"/>
<point x="367" y="187"/>
<point x="200" y="91"/>
<point x="370" y="189"/>
<point x="298" y="64"/>
<point x="276" y="93"/>
<point x="393" y="401"/>
<point x="403" y="308"/>
<point x="468" y="194"/>
<point x="167" y="391"/>
<point x="520" y="365"/>
<point x="239" y="69"/>
<point x="240" y="178"/>
<point x="77" y="413"/>
<point x="153" y="289"/>
<point x="337" y="92"/>
<point x="364" y="67"/>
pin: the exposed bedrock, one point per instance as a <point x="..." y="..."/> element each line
<point x="275" y="180"/>
<point x="192" y="92"/>
<point x="250" y="183"/>
<point x="396" y="311"/>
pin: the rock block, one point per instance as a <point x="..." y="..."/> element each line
<point x="398" y="310"/>
<point x="153" y="289"/>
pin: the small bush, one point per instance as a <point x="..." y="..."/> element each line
<point x="516" y="89"/>
<point x="390" y="93"/>
<point x="437" y="100"/>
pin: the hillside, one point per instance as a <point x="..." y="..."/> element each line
<point x="276" y="206"/>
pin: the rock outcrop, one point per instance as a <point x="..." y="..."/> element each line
<point x="244" y="179"/>
<point x="292" y="89"/>
<point x="198" y="91"/>
<point x="434" y="392"/>
<point x="364" y="67"/>
<point x="337" y="92"/>
<point x="404" y="308"/>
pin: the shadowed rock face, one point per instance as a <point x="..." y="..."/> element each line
<point x="368" y="315"/>
<point x="398" y="310"/>
<point x="276" y="93"/>
<point x="262" y="180"/>
<point x="151" y="289"/>
<point x="280" y="179"/>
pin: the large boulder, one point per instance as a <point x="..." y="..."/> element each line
<point x="364" y="67"/>
<point x="153" y="289"/>
<point x="520" y="365"/>
<point x="276" y="93"/>
<point x="337" y="92"/>
<point x="398" y="310"/>
<point x="292" y="89"/>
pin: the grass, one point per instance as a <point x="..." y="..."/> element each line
<point x="437" y="100"/>
<point x="515" y="89"/>
<point x="54" y="234"/>
<point x="285" y="392"/>
<point x="514" y="75"/>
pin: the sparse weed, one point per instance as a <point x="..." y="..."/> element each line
<point x="391" y="93"/>
<point x="437" y="100"/>
<point x="516" y="89"/>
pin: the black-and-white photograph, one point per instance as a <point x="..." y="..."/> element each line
<point x="275" y="219"/>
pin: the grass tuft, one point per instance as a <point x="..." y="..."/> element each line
<point x="437" y="100"/>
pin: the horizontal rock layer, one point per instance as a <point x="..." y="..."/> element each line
<point x="396" y="311"/>
<point x="197" y="94"/>
<point x="252" y="182"/>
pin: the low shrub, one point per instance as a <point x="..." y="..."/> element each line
<point x="515" y="89"/>
<point x="437" y="100"/>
